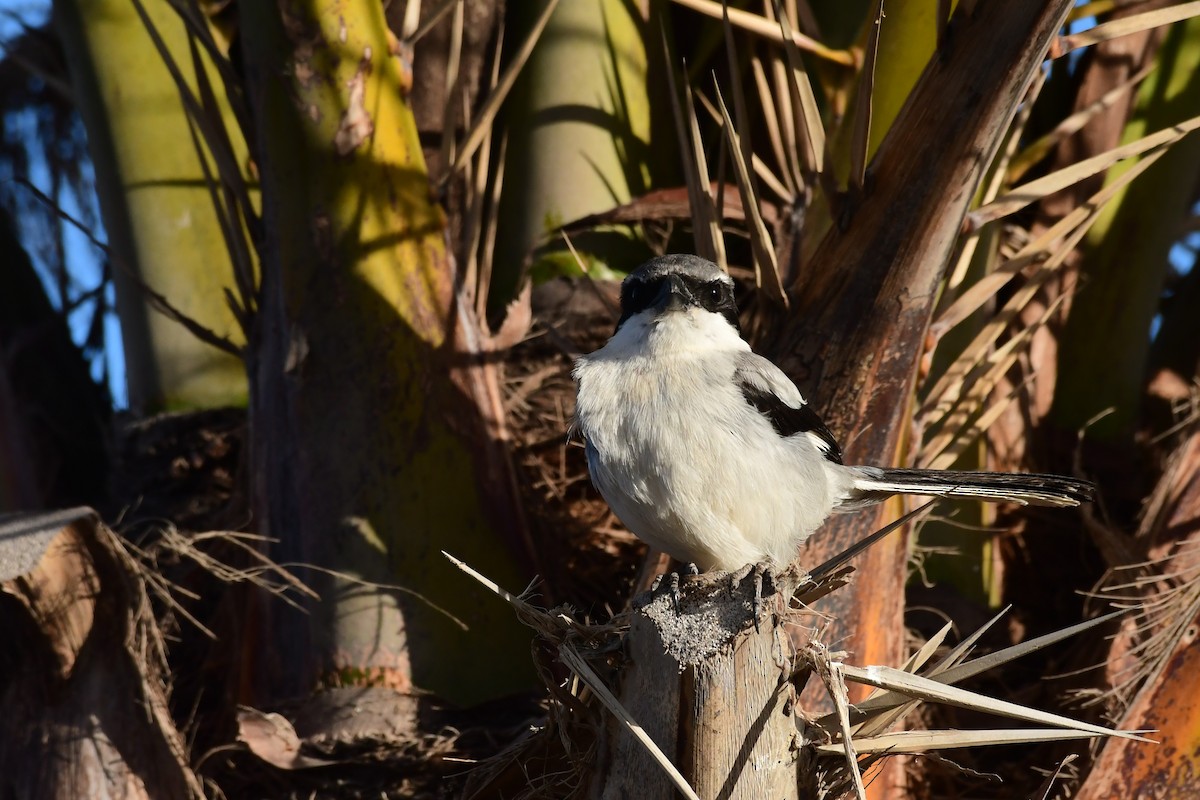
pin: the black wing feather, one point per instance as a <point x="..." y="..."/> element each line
<point x="788" y="421"/>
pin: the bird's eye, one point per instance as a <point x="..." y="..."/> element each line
<point x="713" y="294"/>
<point x="638" y="296"/>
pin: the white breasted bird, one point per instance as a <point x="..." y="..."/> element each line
<point x="709" y="452"/>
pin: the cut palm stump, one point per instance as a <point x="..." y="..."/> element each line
<point x="697" y="700"/>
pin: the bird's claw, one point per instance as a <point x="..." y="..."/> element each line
<point x="763" y="574"/>
<point x="673" y="579"/>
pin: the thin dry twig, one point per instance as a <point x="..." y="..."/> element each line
<point x="1125" y="26"/>
<point x="761" y="26"/>
<point x="157" y="301"/>
<point x="760" y="239"/>
<point x="482" y="126"/>
<point x="832" y="674"/>
<point x="1035" y="190"/>
<point x="860" y="138"/>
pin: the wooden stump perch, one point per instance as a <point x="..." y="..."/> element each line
<point x="716" y="695"/>
<point x="697" y="701"/>
<point x="85" y="694"/>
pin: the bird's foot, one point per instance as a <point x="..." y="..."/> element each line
<point x="763" y="574"/>
<point x="672" y="583"/>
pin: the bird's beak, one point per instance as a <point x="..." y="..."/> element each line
<point x="673" y="296"/>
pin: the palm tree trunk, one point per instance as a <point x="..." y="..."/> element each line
<point x="162" y="228"/>
<point x="377" y="437"/>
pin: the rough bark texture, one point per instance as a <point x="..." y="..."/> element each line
<point x="85" y="709"/>
<point x="862" y="312"/>
<point x="864" y="302"/>
<point x="1168" y="704"/>
<point x="713" y="693"/>
<point x="438" y="110"/>
<point x="375" y="418"/>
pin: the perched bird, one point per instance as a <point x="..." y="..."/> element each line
<point x="709" y="452"/>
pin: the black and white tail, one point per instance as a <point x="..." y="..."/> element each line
<point x="873" y="484"/>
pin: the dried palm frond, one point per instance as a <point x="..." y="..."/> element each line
<point x="842" y="736"/>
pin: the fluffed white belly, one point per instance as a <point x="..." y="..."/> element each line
<point x="693" y="469"/>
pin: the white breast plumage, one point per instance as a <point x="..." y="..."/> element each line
<point x="680" y="455"/>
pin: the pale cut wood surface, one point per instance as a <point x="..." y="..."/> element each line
<point x="713" y="694"/>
